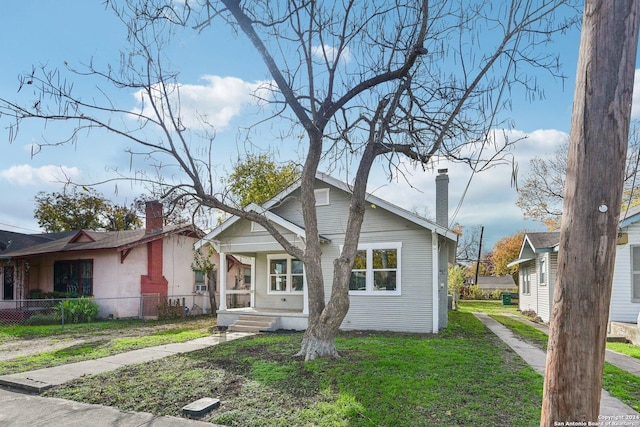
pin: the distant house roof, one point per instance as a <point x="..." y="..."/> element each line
<point x="87" y="240"/>
<point x="496" y="282"/>
<point x="543" y="241"/>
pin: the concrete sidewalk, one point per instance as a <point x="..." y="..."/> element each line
<point x="21" y="409"/>
<point x="536" y="358"/>
<point x="622" y="361"/>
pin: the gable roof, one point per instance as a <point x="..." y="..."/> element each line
<point x="300" y="231"/>
<point x="545" y="241"/>
<point x="630" y="216"/>
<point x="87" y="240"/>
<point x="488" y="282"/>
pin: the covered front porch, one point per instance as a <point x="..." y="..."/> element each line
<point x="276" y="297"/>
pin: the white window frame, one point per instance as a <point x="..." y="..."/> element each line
<point x="369" y="248"/>
<point x="288" y="275"/>
<point x="542" y="271"/>
<point x="526" y="281"/>
<point x="635" y="272"/>
<point x="322" y="196"/>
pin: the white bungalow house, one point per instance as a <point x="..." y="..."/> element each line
<point x="398" y="282"/>
<point x="538" y="262"/>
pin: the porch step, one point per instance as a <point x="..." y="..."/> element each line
<point x="252" y="323"/>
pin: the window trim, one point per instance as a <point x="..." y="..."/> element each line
<point x="289" y="290"/>
<point x="369" y="248"/>
<point x="322" y="196"/>
<point x="542" y="271"/>
<point x="633" y="272"/>
<point x="526" y="280"/>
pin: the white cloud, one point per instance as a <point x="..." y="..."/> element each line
<point x="24" y="175"/>
<point x="331" y="53"/>
<point x="216" y="102"/>
<point x="490" y="197"/>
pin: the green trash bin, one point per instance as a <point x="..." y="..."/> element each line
<point x="506" y="299"/>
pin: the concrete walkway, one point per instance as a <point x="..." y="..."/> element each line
<point x="17" y="408"/>
<point x="536" y="358"/>
<point x="622" y="361"/>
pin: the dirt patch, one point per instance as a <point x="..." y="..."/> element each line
<point x="12" y="347"/>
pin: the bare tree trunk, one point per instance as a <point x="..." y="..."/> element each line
<point x="593" y="190"/>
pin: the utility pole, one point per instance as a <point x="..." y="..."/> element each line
<point x="592" y="200"/>
<point x="479" y="254"/>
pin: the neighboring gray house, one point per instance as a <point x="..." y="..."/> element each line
<point x="538" y="262"/>
<point x="399" y="279"/>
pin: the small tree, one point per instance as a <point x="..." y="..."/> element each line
<point x="258" y="178"/>
<point x="505" y="251"/>
<point x="455" y="282"/>
<point x="66" y="211"/>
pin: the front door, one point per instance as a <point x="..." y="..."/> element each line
<point x="7" y="283"/>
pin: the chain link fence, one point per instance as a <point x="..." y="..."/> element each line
<point x="61" y="311"/>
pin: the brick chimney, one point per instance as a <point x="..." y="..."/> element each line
<point x="153" y="220"/>
<point x="442" y="198"/>
<point x="154" y="283"/>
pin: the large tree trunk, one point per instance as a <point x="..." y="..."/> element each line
<point x="593" y="190"/>
<point x="325" y="320"/>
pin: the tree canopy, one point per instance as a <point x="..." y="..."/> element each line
<point x="82" y="209"/>
<point x="257" y="178"/>
<point x="505" y="251"/>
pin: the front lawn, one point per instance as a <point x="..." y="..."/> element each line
<point x="466" y="376"/>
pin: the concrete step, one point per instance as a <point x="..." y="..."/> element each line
<point x="250" y="323"/>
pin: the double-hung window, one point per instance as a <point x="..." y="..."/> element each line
<point x="286" y="274"/>
<point x="376" y="270"/>
<point x="543" y="271"/>
<point x="526" y="281"/>
<point x="635" y="273"/>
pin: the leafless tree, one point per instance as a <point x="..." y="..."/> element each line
<point x="590" y="217"/>
<point x="362" y="81"/>
<point x="542" y="194"/>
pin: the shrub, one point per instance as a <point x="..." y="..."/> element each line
<point x="496" y="294"/>
<point x="77" y="310"/>
<point x="473" y="292"/>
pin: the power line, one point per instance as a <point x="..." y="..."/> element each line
<point x="22" y="228"/>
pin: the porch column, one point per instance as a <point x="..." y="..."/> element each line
<point x="305" y="300"/>
<point x="252" y="296"/>
<point x="222" y="270"/>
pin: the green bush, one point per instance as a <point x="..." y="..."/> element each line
<point x="496" y="294"/>
<point x="77" y="310"/>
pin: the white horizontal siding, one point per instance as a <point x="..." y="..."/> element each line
<point x="622" y="308"/>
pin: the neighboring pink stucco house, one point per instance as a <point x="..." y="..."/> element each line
<point x="116" y="268"/>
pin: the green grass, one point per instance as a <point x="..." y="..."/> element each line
<point x="465" y="376"/>
<point x="486" y="306"/>
<point x="628" y="349"/>
<point x="620" y="384"/>
<point x="102" y="345"/>
<point x="24" y="331"/>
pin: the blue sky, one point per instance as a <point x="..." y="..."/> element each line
<point x="218" y="70"/>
